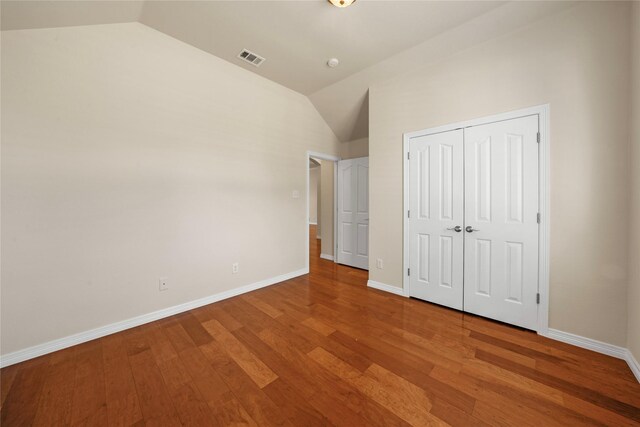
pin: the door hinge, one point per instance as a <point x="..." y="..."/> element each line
<point x="408" y="272"/>
<point x="408" y="156"/>
<point x="538" y="138"/>
<point x="538" y="217"/>
<point x="537" y="298"/>
<point x="408" y="214"/>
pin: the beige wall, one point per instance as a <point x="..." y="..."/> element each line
<point x="354" y="149"/>
<point x="578" y="62"/>
<point x="326" y="207"/>
<point x="319" y="201"/>
<point x="345" y="104"/>
<point x="314" y="177"/>
<point x="633" y="328"/>
<point x="128" y="156"/>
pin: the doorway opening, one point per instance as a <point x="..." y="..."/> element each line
<point x="321" y="203"/>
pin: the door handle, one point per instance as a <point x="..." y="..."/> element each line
<point x="457" y="229"/>
<point x="470" y="229"/>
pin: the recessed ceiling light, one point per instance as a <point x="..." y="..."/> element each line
<point x="342" y="3"/>
<point x="333" y="62"/>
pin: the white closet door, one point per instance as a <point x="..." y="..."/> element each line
<point x="501" y="228"/>
<point x="353" y="212"/>
<point x="436" y="209"/>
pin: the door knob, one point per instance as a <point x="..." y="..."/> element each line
<point x="470" y="229"/>
<point x="457" y="229"/>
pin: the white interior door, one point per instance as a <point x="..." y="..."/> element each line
<point x="436" y="215"/>
<point x="353" y="212"/>
<point x="501" y="227"/>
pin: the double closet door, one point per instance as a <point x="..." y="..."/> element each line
<point x="473" y="219"/>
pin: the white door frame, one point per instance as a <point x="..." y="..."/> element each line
<point x="334" y="159"/>
<point x="544" y="197"/>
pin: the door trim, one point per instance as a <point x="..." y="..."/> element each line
<point x="544" y="197"/>
<point x="330" y="158"/>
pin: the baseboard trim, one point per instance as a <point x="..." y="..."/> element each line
<point x="71" y="340"/>
<point x="598" y="347"/>
<point x="588" y="343"/>
<point x="633" y="364"/>
<point x="327" y="257"/>
<point x="386" y="288"/>
<point x="313" y="223"/>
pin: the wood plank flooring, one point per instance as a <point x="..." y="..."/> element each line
<point x="321" y="349"/>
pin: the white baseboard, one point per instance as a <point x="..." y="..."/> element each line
<point x="61" y="343"/>
<point x="313" y="223"/>
<point x="597" y="346"/>
<point x="633" y="364"/>
<point x="588" y="343"/>
<point x="387" y="288"/>
<point x="325" y="256"/>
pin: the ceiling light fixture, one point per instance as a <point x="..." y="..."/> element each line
<point x="333" y="62"/>
<point x="342" y="3"/>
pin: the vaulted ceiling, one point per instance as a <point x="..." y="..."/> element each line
<point x="298" y="37"/>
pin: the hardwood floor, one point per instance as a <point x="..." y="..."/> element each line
<point x="321" y="349"/>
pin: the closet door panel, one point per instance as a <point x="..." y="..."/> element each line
<point x="501" y="228"/>
<point x="436" y="209"/>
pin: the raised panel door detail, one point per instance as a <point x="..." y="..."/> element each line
<point x="446" y="261"/>
<point x="514" y="175"/>
<point x="483" y="267"/>
<point x="446" y="181"/>
<point x="347" y="241"/>
<point x="363" y="189"/>
<point x="423" y="257"/>
<point x="347" y="198"/>
<point x="483" y="180"/>
<point x="363" y="240"/>
<point x="425" y="183"/>
<point x="513" y="267"/>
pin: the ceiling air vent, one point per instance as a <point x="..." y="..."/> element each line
<point x="251" y="57"/>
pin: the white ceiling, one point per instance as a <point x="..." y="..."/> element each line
<point x="344" y="105"/>
<point x="373" y="39"/>
<point x="296" y="37"/>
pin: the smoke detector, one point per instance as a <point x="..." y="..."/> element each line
<point x="333" y="62"/>
<point x="251" y="58"/>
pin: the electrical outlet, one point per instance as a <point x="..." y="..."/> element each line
<point x="379" y="263"/>
<point x="163" y="284"/>
<point x="235" y="267"/>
